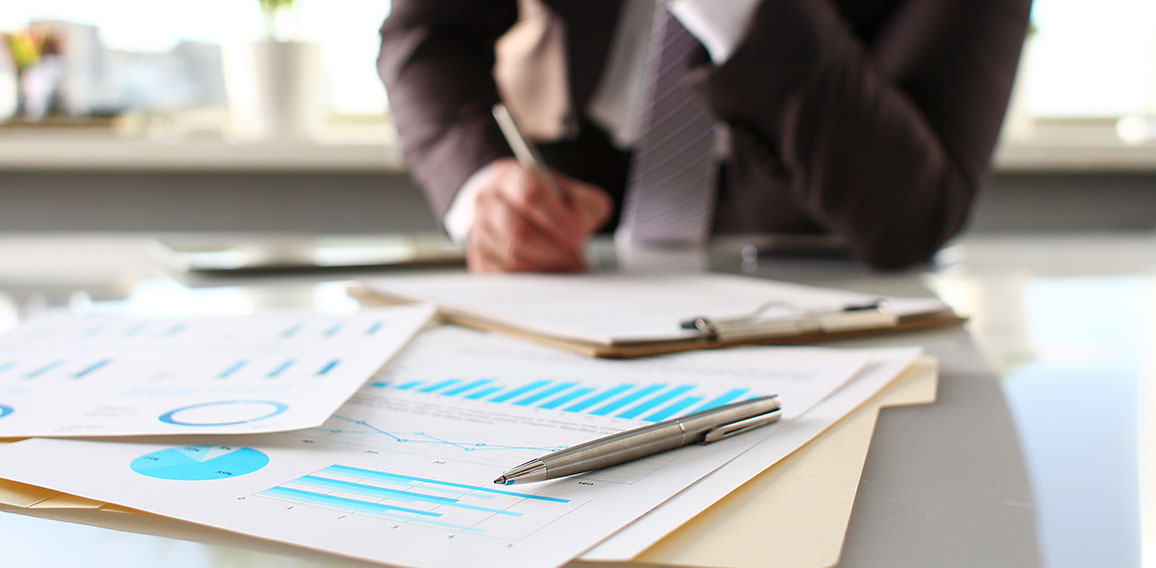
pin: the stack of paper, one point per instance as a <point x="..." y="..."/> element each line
<point x="401" y="473"/>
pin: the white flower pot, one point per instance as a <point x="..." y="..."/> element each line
<point x="276" y="90"/>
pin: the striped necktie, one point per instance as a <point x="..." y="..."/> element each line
<point x="670" y="194"/>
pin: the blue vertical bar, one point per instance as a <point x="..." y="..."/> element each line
<point x="673" y="409"/>
<point x="233" y="369"/>
<point x="583" y="405"/>
<point x="467" y="387"/>
<point x="724" y="398"/>
<point x="281" y="368"/>
<point x="134" y="330"/>
<point x="548" y="392"/>
<point x="91" y="368"/>
<point x="483" y="393"/>
<point x="173" y="330"/>
<point x="44" y="369"/>
<point x="291" y="331"/>
<point x="407" y="386"/>
<point x="630" y="398"/>
<point x="440" y="385"/>
<point x="565" y="398"/>
<point x="653" y="402"/>
<point x="519" y="391"/>
<point x="328" y="367"/>
<point x="374" y="328"/>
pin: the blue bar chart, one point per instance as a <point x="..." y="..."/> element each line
<point x="419" y="500"/>
<point x="646" y="401"/>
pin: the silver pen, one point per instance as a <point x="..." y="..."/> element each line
<point x="524" y="150"/>
<point x="705" y="427"/>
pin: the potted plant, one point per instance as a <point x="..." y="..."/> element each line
<point x="275" y="84"/>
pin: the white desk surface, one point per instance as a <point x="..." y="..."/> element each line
<point x="1041" y="449"/>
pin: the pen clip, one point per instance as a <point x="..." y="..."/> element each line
<point x="738" y="427"/>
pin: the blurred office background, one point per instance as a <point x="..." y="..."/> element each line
<point x="184" y="116"/>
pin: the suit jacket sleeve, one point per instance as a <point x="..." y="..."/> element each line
<point x="884" y="141"/>
<point x="436" y="62"/>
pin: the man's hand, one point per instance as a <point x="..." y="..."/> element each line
<point x="520" y="225"/>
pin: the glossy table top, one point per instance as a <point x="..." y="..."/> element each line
<point x="1041" y="449"/>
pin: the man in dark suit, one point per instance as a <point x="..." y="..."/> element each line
<point x="874" y="120"/>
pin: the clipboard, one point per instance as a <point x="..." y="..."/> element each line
<point x="618" y="315"/>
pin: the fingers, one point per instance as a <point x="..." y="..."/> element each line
<point x="522" y="225"/>
<point x="526" y="194"/>
<point x="591" y="204"/>
<point x="519" y="226"/>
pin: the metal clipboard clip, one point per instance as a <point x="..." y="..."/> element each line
<point x="873" y="315"/>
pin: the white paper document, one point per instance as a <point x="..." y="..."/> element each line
<point x="623" y="309"/>
<point x="886" y="364"/>
<point x="101" y="375"/>
<point x="403" y="473"/>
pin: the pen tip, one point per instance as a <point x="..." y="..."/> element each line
<point x="502" y="481"/>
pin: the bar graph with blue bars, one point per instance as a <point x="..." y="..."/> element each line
<point x="642" y="400"/>
<point x="435" y="503"/>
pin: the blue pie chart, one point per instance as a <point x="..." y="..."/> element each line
<point x="200" y="463"/>
<point x="5" y="410"/>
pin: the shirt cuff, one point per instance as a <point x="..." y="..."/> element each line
<point x="459" y="217"/>
<point x="718" y="25"/>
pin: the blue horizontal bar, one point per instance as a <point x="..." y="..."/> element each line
<point x="374" y="328"/>
<point x="566" y="398"/>
<point x="291" y="331"/>
<point x="519" y="391"/>
<point x="333" y="330"/>
<point x="323" y="499"/>
<point x="361" y="506"/>
<point x="673" y="409"/>
<point x="407" y="386"/>
<point x="467" y="387"/>
<point x="344" y="469"/>
<point x="583" y="405"/>
<point x="7" y="366"/>
<point x="91" y="368"/>
<point x="654" y="402"/>
<point x="440" y="385"/>
<point x="385" y="492"/>
<point x="548" y="392"/>
<point x="328" y="366"/>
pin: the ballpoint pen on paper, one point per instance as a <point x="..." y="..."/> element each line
<point x="705" y="427"/>
<point x="526" y="153"/>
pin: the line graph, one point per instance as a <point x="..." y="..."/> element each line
<point x="420" y="438"/>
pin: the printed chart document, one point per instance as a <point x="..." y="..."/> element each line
<point x="103" y="375"/>
<point x="625" y="545"/>
<point x="403" y="472"/>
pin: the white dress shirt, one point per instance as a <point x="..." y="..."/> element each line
<point x="617" y="103"/>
